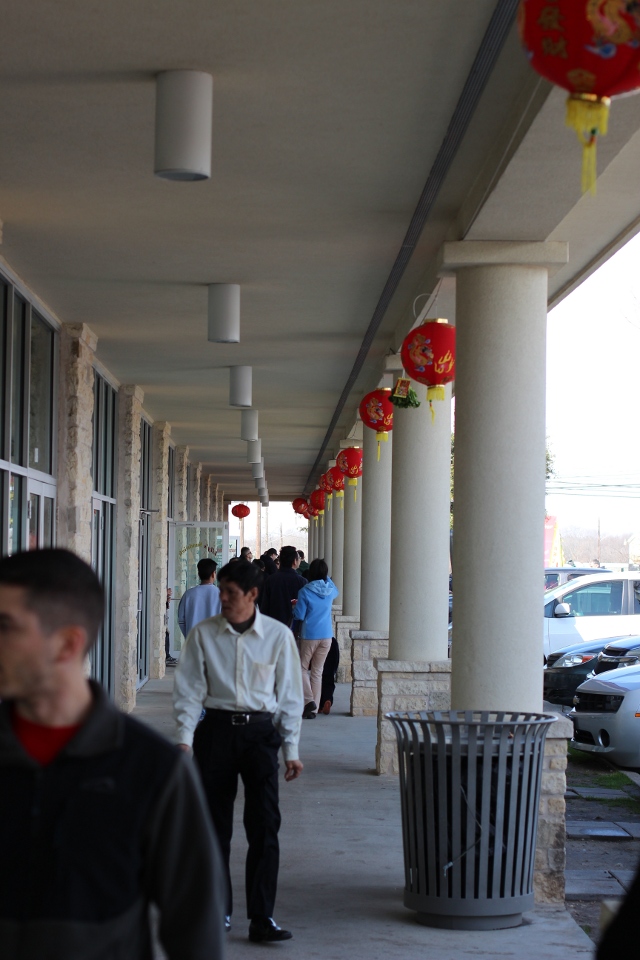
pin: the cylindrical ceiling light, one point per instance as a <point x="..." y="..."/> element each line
<point x="240" y="386"/>
<point x="262" y="491"/>
<point x="184" y="117"/>
<point x="254" y="451"/>
<point x="224" y="313"/>
<point x="249" y="425"/>
<point x="264" y="501"/>
<point x="257" y="470"/>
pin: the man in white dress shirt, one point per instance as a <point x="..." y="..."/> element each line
<point x="244" y="668"/>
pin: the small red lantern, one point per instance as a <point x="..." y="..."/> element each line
<point x="317" y="500"/>
<point x="325" y="484"/>
<point x="590" y="48"/>
<point x="376" y="412"/>
<point x="313" y="514"/>
<point x="337" y="483"/>
<point x="350" y="463"/>
<point x="241" y="510"/>
<point x="300" y="505"/>
<point x="429" y="356"/>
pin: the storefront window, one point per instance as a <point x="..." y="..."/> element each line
<point x="17" y="380"/>
<point x="40" y="395"/>
<point x="16" y="514"/>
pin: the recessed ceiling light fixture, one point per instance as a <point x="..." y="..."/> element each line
<point x="249" y="425"/>
<point x="254" y="451"/>
<point x="184" y="119"/>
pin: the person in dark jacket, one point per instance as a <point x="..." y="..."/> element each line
<point x="269" y="560"/>
<point x="281" y="590"/>
<point x="100" y="817"/>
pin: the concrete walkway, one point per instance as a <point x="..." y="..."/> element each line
<point x="341" y="877"/>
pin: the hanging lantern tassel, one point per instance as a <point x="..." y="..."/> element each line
<point x="353" y="482"/>
<point x="322" y="518"/>
<point x="435" y="393"/>
<point x="382" y="435"/>
<point x="588" y="115"/>
<point x="341" y="498"/>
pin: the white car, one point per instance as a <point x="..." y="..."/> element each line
<point x="606" y="716"/>
<point x="593" y="607"/>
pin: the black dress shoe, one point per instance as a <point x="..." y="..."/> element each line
<point x="267" y="931"/>
<point x="227" y="924"/>
<point x="310" y="710"/>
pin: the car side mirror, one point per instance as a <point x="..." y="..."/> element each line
<point x="562" y="610"/>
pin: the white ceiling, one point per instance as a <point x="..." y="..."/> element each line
<point x="327" y="119"/>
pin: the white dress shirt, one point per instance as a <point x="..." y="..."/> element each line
<point x="258" y="670"/>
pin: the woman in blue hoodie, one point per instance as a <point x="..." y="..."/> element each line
<point x="314" y="610"/>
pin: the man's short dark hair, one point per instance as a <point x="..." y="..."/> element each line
<point x="301" y="554"/>
<point x="318" y="570"/>
<point x="271" y="552"/>
<point x="61" y="589"/>
<point x="244" y="573"/>
<point x="288" y="556"/>
<point x="244" y="551"/>
<point x="206" y="568"/>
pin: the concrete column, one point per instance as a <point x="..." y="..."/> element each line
<point x="420" y="502"/>
<point x="213" y="501"/>
<point x="313" y="537"/>
<point x="337" y="544"/>
<point x="75" y="439"/>
<point x="376" y="534"/>
<point x="159" y="545"/>
<point x="321" y="523"/>
<point x="178" y="576"/>
<point x="352" y="549"/>
<point x="501" y="315"/>
<point x="328" y="531"/>
<point x="127" y="531"/>
<point x="222" y="516"/>
<point x="195" y="478"/>
<point x="205" y="492"/>
<point x="182" y="463"/>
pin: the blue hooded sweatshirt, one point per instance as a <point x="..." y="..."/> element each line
<point x="314" y="609"/>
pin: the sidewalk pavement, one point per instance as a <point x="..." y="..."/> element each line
<point x="341" y="875"/>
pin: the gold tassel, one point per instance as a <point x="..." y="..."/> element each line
<point x="435" y="393"/>
<point x="588" y="115"/>
<point x="381" y="435"/>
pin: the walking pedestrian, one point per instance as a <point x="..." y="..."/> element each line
<point x="303" y="565"/>
<point x="313" y="609"/>
<point x="100" y="816"/>
<point x="201" y="602"/>
<point x="244" y="668"/>
<point x="281" y="589"/>
<point x="269" y="560"/>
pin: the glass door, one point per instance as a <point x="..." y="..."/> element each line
<point x="101" y="655"/>
<point x="189" y="543"/>
<point x="41" y="513"/>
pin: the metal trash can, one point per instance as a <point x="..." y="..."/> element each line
<point x="470" y="790"/>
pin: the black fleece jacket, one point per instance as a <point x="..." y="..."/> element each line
<point x="115" y="823"/>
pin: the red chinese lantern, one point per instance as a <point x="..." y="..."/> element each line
<point x="317" y="500"/>
<point x="429" y="356"/>
<point x="300" y="505"/>
<point x="590" y="48"/>
<point x="376" y="412"/>
<point x="337" y="483"/>
<point x="350" y="463"/>
<point x="241" y="510"/>
<point x="325" y="484"/>
<point x="313" y="514"/>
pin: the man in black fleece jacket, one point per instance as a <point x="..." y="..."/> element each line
<point x="99" y="816"/>
<point x="283" y="587"/>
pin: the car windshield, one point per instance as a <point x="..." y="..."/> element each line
<point x="559" y="590"/>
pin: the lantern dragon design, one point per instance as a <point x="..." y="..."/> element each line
<point x="444" y="364"/>
<point x="610" y="27"/>
<point x="374" y="410"/>
<point x="420" y="352"/>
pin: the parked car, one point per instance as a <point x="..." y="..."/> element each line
<point x="556" y="576"/>
<point x="599" y="606"/>
<point x="567" y="668"/>
<point x="606" y="716"/>
<point x="621" y="652"/>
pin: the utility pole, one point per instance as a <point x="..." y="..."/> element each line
<point x="598" y="541"/>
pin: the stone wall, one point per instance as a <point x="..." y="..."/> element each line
<point x="405" y="685"/>
<point x="128" y="516"/>
<point x="194" y="481"/>
<point x="342" y="627"/>
<point x="366" y="646"/>
<point x="548" y="877"/>
<point x="159" y="545"/>
<point x="75" y="439"/>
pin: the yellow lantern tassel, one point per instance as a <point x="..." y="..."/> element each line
<point x="381" y="435"/>
<point x="434" y="393"/>
<point x="588" y="115"/>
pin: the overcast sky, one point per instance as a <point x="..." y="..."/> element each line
<point x="593" y="393"/>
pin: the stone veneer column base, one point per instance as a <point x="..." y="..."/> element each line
<point x="366" y="646"/>
<point x="548" y="876"/>
<point x="407" y="685"/>
<point x="342" y="626"/>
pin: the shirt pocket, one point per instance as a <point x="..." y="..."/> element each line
<point x="263" y="678"/>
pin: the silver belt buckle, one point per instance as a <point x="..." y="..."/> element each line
<point x="239" y="720"/>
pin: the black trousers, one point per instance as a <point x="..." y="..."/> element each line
<point x="329" y="672"/>
<point x="223" y="752"/>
